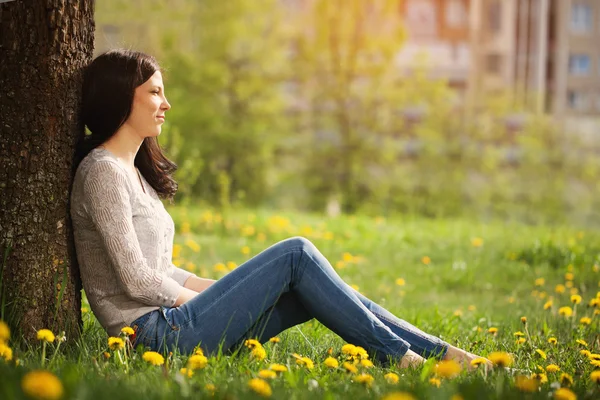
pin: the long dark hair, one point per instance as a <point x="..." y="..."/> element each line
<point x="109" y="83"/>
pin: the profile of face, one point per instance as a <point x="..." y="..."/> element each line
<point x="149" y="107"/>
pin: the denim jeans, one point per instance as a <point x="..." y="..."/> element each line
<point x="287" y="284"/>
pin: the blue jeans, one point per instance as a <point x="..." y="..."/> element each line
<point x="287" y="284"/>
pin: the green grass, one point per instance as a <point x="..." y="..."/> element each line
<point x="458" y="296"/>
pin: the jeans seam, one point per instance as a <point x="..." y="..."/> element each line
<point x="403" y="343"/>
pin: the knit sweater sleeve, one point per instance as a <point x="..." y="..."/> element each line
<point x="180" y="275"/>
<point x="106" y="193"/>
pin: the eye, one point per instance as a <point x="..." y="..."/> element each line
<point x="154" y="91"/>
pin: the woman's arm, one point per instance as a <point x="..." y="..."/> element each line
<point x="198" y="284"/>
<point x="192" y="286"/>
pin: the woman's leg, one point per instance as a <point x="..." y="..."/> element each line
<point x="289" y="311"/>
<point x="224" y="312"/>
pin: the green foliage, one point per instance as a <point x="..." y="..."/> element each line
<point x="301" y="105"/>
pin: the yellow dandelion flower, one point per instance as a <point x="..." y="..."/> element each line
<point x="585" y="352"/>
<point x="4" y="332"/>
<point x="186" y="372"/>
<point x="347" y="257"/>
<point x="476" y="242"/>
<point x="518" y="334"/>
<point x="478" y="361"/>
<point x="447" y="369"/>
<point x="258" y="353"/>
<point x="595" y="302"/>
<point x="349" y="349"/>
<point x="391" y="378"/>
<point x="252" y="343"/>
<point x="5" y="352"/>
<point x="45" y="335"/>
<point x="42" y="385"/>
<point x="559" y="288"/>
<point x="260" y="387"/>
<point x="127" y="331"/>
<point x="595" y="377"/>
<point x="153" y="358"/>
<point x="593" y="356"/>
<point x="274" y="340"/>
<point x="552" y="368"/>
<point x="569" y="276"/>
<point x="350" y="367"/>
<point x="197" y="361"/>
<point x="331" y="362"/>
<point x="582" y="342"/>
<point x="564" y="394"/>
<point x="220" y="267"/>
<point x="245" y="250"/>
<point x="552" y="340"/>
<point x="398" y="396"/>
<point x="426" y="260"/>
<point x="195" y="247"/>
<point x="540" y="377"/>
<point x="595" y="363"/>
<point x="541" y="353"/>
<point x="565" y="311"/>
<point x="523" y="320"/>
<point x="493" y="330"/>
<point x="569" y="284"/>
<point x="435" y="381"/>
<point x="458" y="313"/>
<point x="575" y="299"/>
<point x="305" y="361"/>
<point x="210" y="387"/>
<point x="566" y="379"/>
<point x="106" y="355"/>
<point x="198" y="351"/>
<point x="278" y="367"/>
<point x="471" y="308"/>
<point x="585" y="321"/>
<point x="116" y="343"/>
<point x="539" y="282"/>
<point x="267" y="374"/>
<point x="500" y="359"/>
<point x="365" y="379"/>
<point x="526" y="384"/>
<point x="548" y="305"/>
<point x="520" y="340"/>
<point x="231" y="265"/>
<point x="366" y="363"/>
<point x="400" y="282"/>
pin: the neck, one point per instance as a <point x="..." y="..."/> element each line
<point x="124" y="146"/>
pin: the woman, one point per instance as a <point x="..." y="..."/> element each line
<point x="124" y="243"/>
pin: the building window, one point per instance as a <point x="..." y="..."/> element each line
<point x="579" y="64"/>
<point x="456" y="14"/>
<point x="581" y="18"/>
<point x="494" y="16"/>
<point x="421" y="18"/>
<point x="577" y="100"/>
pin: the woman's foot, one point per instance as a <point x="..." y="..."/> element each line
<point x="411" y="360"/>
<point x="464" y="358"/>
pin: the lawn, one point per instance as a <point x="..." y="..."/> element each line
<point x="468" y="282"/>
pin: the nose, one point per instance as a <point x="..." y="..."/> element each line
<point x="165" y="104"/>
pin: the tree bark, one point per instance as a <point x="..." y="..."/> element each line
<point x="44" y="44"/>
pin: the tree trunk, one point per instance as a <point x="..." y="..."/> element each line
<point x="43" y="46"/>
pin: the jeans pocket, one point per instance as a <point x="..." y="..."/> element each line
<point x="167" y="314"/>
<point x="146" y="332"/>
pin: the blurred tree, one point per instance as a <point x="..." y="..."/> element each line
<point x="43" y="47"/>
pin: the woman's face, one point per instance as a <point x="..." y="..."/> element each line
<point x="149" y="106"/>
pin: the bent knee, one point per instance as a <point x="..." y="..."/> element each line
<point x="300" y="242"/>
